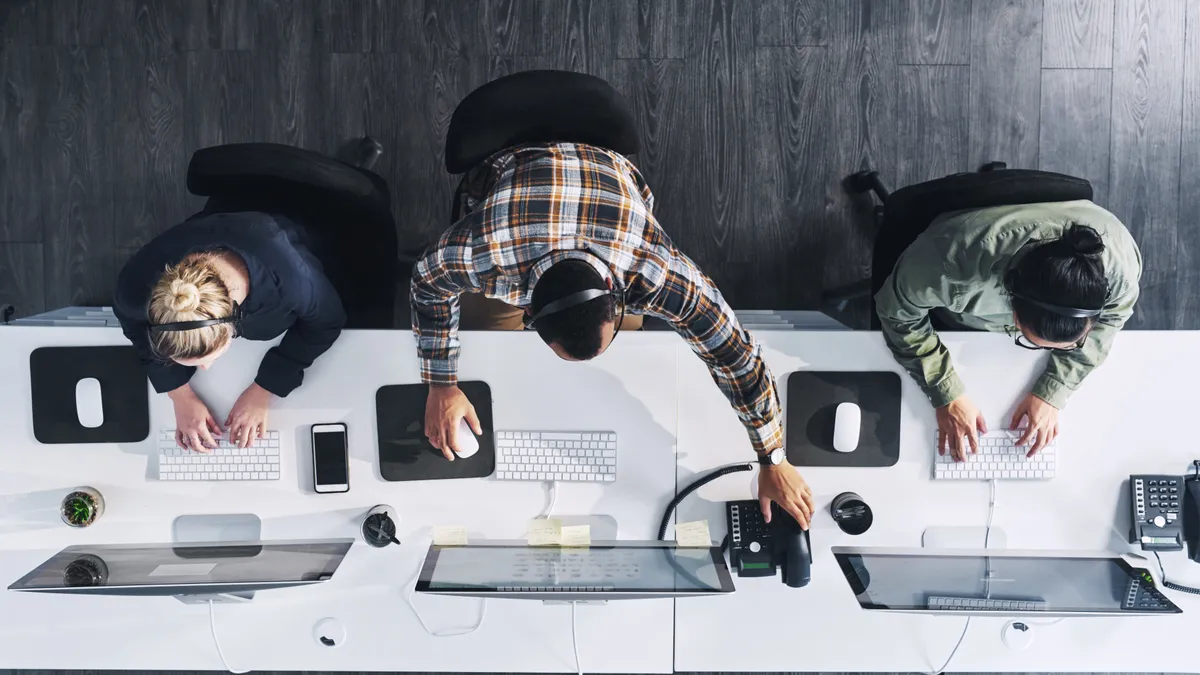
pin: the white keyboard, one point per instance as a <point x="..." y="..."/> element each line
<point x="580" y="456"/>
<point x="998" y="458"/>
<point x="258" y="461"/>
<point x="985" y="604"/>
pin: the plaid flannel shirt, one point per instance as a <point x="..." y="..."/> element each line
<point x="531" y="207"/>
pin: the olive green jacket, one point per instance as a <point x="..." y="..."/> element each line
<point x="958" y="266"/>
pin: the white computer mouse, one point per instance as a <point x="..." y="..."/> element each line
<point x="847" y="422"/>
<point x="467" y="444"/>
<point x="88" y="405"/>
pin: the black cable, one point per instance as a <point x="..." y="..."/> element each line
<point x="674" y="503"/>
<point x="1173" y="586"/>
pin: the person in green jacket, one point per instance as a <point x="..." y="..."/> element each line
<point x="1057" y="276"/>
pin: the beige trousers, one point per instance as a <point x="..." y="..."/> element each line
<point x="479" y="312"/>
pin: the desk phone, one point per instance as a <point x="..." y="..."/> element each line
<point x="1156" y="516"/>
<point x="757" y="548"/>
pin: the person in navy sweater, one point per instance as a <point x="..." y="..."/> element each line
<point x="186" y="295"/>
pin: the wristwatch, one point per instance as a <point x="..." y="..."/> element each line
<point x="772" y="458"/>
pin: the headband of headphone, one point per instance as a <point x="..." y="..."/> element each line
<point x="234" y="318"/>
<point x="569" y="301"/>
<point x="1061" y="310"/>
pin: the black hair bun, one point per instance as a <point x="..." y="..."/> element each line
<point x="1081" y="240"/>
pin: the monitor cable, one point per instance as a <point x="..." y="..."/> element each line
<point x="1171" y="585"/>
<point x="575" y="642"/>
<point x="551" y="498"/>
<point x="212" y="624"/>
<point x="452" y="632"/>
<point x="987" y="540"/>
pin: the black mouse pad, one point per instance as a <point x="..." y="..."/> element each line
<point x="125" y="401"/>
<point x="405" y="453"/>
<point x="812" y="400"/>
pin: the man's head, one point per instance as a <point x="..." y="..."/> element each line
<point x="576" y="333"/>
<point x="1067" y="273"/>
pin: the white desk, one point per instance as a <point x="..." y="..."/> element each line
<point x="631" y="390"/>
<point x="1133" y="416"/>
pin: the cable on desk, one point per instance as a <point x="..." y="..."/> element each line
<point x="575" y="641"/>
<point x="1170" y="585"/>
<point x="212" y="624"/>
<point x="454" y="632"/>
<point x="699" y="483"/>
<point x="552" y="497"/>
<point x="987" y="580"/>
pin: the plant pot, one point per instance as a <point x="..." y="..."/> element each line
<point x="82" y="507"/>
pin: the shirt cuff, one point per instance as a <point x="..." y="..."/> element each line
<point x="945" y="391"/>
<point x="766" y="437"/>
<point x="439" y="371"/>
<point x="1051" y="391"/>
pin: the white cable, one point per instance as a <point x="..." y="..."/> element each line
<point x="954" y="651"/>
<point x="212" y="624"/>
<point x="453" y="632"/>
<point x="987" y="577"/>
<point x="575" y="641"/>
<point x="552" y="494"/>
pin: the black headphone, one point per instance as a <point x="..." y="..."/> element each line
<point x="234" y="318"/>
<point x="1069" y="312"/>
<point x="573" y="300"/>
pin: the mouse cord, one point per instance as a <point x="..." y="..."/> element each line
<point x="453" y="632"/>
<point x="551" y="498"/>
<point x="212" y="624"/>
<point x="987" y="579"/>
<point x="1170" y="585"/>
<point x="575" y="641"/>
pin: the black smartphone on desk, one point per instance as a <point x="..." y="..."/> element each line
<point x="331" y="460"/>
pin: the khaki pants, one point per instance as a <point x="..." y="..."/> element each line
<point x="479" y="312"/>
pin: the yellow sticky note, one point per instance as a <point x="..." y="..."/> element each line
<point x="449" y="535"/>
<point x="694" y="533"/>
<point x="544" y="532"/>
<point x="577" y="535"/>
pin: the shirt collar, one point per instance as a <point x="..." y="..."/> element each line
<point x="547" y="261"/>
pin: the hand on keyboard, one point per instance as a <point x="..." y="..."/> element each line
<point x="957" y="420"/>
<point x="195" y="427"/>
<point x="248" y="420"/>
<point x="1042" y="419"/>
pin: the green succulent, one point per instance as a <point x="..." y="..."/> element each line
<point x="79" y="508"/>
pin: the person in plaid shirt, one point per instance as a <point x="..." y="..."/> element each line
<point x="564" y="235"/>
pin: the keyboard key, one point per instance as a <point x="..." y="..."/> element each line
<point x="226" y="462"/>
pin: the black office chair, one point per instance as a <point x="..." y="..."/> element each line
<point x="344" y="208"/>
<point x="536" y="106"/>
<point x="904" y="214"/>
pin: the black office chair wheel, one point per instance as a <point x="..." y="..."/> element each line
<point x="369" y="151"/>
<point x="860" y="182"/>
<point x="992" y="166"/>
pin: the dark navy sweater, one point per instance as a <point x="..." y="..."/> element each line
<point x="288" y="292"/>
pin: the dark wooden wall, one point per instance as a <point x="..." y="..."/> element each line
<point x="752" y="111"/>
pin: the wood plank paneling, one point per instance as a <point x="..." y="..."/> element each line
<point x="22" y="127"/>
<point x="1077" y="34"/>
<point x="291" y="89"/>
<point x="657" y="29"/>
<point x="1146" y="133"/>
<point x="1005" y="82"/>
<point x="1188" y="235"/>
<point x="935" y="32"/>
<point x="517" y="27"/>
<point x="1075" y="128"/>
<point x="218" y="24"/>
<point x="792" y="22"/>
<point x="22" y="280"/>
<point x="932" y="114"/>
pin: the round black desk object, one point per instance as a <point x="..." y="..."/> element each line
<point x="851" y="513"/>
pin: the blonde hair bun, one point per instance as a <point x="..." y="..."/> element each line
<point x="185" y="296"/>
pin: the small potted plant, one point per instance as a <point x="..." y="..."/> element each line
<point x="82" y="507"/>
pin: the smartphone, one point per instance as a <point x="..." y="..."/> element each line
<point x="331" y="464"/>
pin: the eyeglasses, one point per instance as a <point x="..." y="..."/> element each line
<point x="1023" y="342"/>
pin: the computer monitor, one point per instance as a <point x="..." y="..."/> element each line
<point x="604" y="571"/>
<point x="992" y="582"/>
<point x="208" y="569"/>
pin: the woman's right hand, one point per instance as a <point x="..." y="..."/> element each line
<point x="956" y="420"/>
<point x="195" y="427"/>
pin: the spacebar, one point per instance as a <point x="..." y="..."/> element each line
<point x="555" y="436"/>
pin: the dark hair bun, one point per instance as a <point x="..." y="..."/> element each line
<point x="1081" y="240"/>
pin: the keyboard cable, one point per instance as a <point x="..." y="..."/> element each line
<point x="575" y="641"/>
<point x="212" y="624"/>
<point x="987" y="540"/>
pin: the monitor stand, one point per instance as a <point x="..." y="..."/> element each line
<point x="590" y="603"/>
<point x="216" y="598"/>
<point x="963" y="537"/>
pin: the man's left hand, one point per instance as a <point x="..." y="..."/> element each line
<point x="247" y="421"/>
<point x="782" y="484"/>
<point x="1042" y="426"/>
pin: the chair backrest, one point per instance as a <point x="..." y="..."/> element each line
<point x="272" y="168"/>
<point x="538" y="106"/>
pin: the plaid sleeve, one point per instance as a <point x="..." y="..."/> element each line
<point x="695" y="308"/>
<point x="439" y="277"/>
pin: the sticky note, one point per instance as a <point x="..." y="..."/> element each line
<point x="694" y="533"/>
<point x="544" y="532"/>
<point x="449" y="535"/>
<point x="577" y="535"/>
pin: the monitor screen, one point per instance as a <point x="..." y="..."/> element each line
<point x="618" y="567"/>
<point x="146" y="566"/>
<point x="1003" y="582"/>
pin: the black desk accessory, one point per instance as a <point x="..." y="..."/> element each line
<point x="378" y="528"/>
<point x="812" y="400"/>
<point x="1156" y="516"/>
<point x="404" y="452"/>
<point x="851" y="513"/>
<point x="53" y="374"/>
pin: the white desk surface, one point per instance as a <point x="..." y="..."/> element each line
<point x="630" y="390"/>
<point x="1132" y="416"/>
